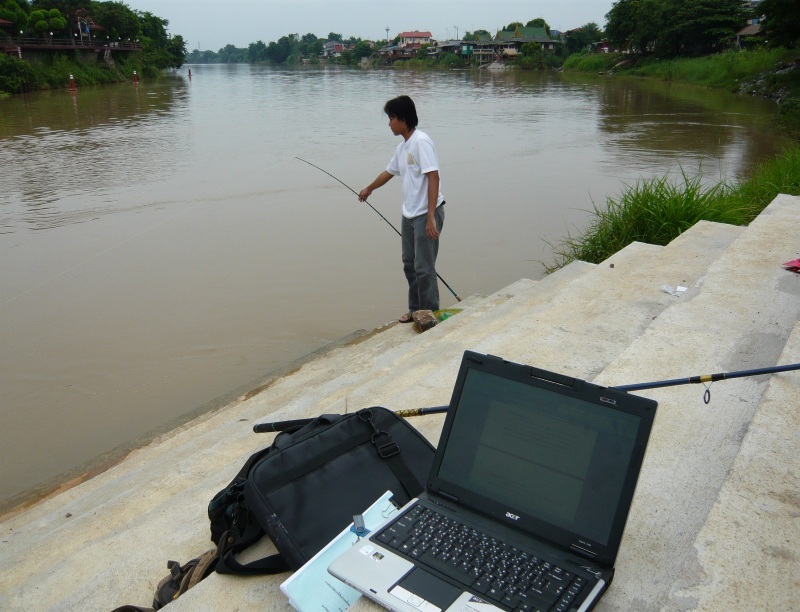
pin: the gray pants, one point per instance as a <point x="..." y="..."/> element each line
<point x="419" y="262"/>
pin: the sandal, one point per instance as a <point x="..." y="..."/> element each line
<point x="406" y="318"/>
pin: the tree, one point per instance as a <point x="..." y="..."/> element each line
<point x="512" y="26"/>
<point x="581" y="38"/>
<point x="16" y="75"/>
<point x="538" y="23"/>
<point x="13" y="11"/>
<point x="362" y="49"/>
<point x="781" y="23"/>
<point x="230" y="54"/>
<point x="621" y="22"/>
<point x="705" y="25"/>
<point x="310" y="45"/>
<point x="47" y="21"/>
<point x="256" y="52"/>
<point x="673" y="27"/>
<point x="119" y="21"/>
<point x="279" y="52"/>
<point x="335" y="37"/>
<point x="483" y="34"/>
<point x="160" y="50"/>
<point x="69" y="9"/>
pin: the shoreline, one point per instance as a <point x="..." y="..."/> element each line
<point x="32" y="496"/>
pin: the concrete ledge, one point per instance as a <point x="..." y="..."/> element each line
<point x="105" y="542"/>
<point x="754" y="522"/>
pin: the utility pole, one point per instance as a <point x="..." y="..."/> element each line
<point x="456" y="27"/>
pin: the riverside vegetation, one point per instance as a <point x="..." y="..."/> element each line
<point x="657" y="210"/>
<point x="51" y="69"/>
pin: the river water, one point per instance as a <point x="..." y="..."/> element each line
<point x="161" y="245"/>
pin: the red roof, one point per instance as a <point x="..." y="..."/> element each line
<point x="415" y="34"/>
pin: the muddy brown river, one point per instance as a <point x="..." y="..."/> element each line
<point x="161" y="246"/>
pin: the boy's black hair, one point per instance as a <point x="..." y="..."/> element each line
<point x="402" y="108"/>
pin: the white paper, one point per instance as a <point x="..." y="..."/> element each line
<point x="312" y="588"/>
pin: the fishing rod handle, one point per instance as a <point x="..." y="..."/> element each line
<point x="414" y="412"/>
<point x="279" y="425"/>
<point x="283" y="425"/>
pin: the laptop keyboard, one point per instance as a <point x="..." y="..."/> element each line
<point x="502" y="573"/>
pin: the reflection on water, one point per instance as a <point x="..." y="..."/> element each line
<point x="82" y="144"/>
<point x="162" y="246"/>
<point x="652" y="119"/>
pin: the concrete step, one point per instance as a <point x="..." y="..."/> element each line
<point x="538" y="311"/>
<point x="105" y="542"/>
<point x="740" y="320"/>
<point x="755" y="514"/>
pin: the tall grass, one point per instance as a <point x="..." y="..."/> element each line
<point x="723" y="70"/>
<point x="658" y="210"/>
<point x="593" y="62"/>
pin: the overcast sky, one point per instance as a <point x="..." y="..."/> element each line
<point x="212" y="24"/>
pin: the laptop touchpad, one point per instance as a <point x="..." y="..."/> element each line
<point x="425" y="591"/>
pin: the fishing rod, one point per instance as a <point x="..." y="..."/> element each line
<point x="379" y="214"/>
<point x="702" y="379"/>
<point x="283" y="425"/>
<point x="708" y="378"/>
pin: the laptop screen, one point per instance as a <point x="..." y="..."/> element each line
<point x="550" y="454"/>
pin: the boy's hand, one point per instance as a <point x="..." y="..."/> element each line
<point x="430" y="228"/>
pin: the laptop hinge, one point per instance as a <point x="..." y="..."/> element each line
<point x="447" y="496"/>
<point x="583" y="551"/>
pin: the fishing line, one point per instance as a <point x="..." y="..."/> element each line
<point x="379" y="214"/>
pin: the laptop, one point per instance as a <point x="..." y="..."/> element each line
<point x="526" y="501"/>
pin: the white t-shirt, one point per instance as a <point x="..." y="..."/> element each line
<point x="412" y="159"/>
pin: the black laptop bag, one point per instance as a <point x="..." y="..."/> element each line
<point x="306" y="487"/>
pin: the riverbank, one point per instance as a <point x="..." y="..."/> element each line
<point x="658" y="210"/>
<point x="769" y="73"/>
<point x="712" y="515"/>
<point x="158" y="256"/>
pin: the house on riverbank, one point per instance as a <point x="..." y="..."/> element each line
<point x="503" y="46"/>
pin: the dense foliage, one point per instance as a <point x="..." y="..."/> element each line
<point x="674" y="27"/>
<point x="61" y="18"/>
<point x="782" y="23"/>
<point x="289" y="49"/>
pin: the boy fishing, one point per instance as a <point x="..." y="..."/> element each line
<point x="416" y="163"/>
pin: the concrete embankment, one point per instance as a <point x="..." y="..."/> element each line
<point x="714" y="524"/>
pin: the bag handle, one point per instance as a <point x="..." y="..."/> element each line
<point x="230" y="545"/>
<point x="290" y="435"/>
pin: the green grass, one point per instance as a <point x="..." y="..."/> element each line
<point x="721" y="70"/>
<point x="593" y="62"/>
<point x="658" y="210"/>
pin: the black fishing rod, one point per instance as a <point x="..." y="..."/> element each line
<point x="702" y="379"/>
<point x="379" y="214"/>
<point x="708" y="378"/>
<point x="282" y="425"/>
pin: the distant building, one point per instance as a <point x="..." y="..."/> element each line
<point x="414" y="38"/>
<point x="332" y="48"/>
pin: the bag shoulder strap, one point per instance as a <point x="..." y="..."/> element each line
<point x="390" y="452"/>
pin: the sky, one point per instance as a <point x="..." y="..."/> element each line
<point x="212" y="24"/>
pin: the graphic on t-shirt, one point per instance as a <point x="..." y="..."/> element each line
<point x="410" y="160"/>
